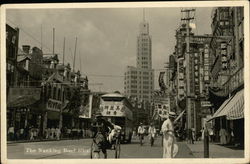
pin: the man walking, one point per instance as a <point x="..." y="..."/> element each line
<point x="141" y="132"/>
<point x="152" y="132"/>
<point x="170" y="149"/>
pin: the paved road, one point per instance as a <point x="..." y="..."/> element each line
<point x="79" y="149"/>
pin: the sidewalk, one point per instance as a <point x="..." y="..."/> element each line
<point x="215" y="151"/>
<point x="42" y="140"/>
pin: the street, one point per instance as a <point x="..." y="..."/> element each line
<point x="79" y="149"/>
<point x="120" y="72"/>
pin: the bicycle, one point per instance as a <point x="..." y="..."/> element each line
<point x="151" y="140"/>
<point x="141" y="137"/>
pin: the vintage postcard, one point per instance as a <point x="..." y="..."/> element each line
<point x="148" y="82"/>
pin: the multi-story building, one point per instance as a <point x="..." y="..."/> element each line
<point x="198" y="77"/>
<point x="12" y="36"/>
<point x="38" y="88"/>
<point x="227" y="68"/>
<point x="139" y="83"/>
<point x="139" y="80"/>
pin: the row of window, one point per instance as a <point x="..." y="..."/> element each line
<point x="145" y="83"/>
<point x="139" y="72"/>
<point x="144" y="63"/>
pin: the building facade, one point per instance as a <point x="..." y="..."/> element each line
<point x="227" y="70"/>
<point x="40" y="92"/>
<point x="139" y="80"/>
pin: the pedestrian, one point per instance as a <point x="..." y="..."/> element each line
<point x="18" y="134"/>
<point x="52" y="132"/>
<point x="31" y="133"/>
<point x="82" y="133"/>
<point x="170" y="149"/>
<point x="229" y="137"/>
<point x="141" y="132"/>
<point x="21" y="134"/>
<point x="64" y="133"/>
<point x="11" y="132"/>
<point x="152" y="133"/>
<point x="58" y="133"/>
<point x="35" y="133"/>
<point x="73" y="133"/>
<point x="193" y="135"/>
<point x="48" y="136"/>
<point x="133" y="134"/>
<point x="202" y="133"/>
<point x="78" y="133"/>
<point x="45" y="133"/>
<point x="222" y="134"/>
<point x="211" y="134"/>
<point x="26" y="132"/>
<point x="69" y="132"/>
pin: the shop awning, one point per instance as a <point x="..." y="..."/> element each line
<point x="22" y="97"/>
<point x="235" y="109"/>
<point x="180" y="115"/>
<point x="232" y="108"/>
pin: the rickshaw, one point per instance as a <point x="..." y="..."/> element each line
<point x="99" y="145"/>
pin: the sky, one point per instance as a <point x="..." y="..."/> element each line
<point x="106" y="37"/>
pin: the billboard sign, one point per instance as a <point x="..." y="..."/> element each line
<point x="86" y="108"/>
<point x="162" y="107"/>
<point x="206" y="104"/>
<point x="54" y="105"/>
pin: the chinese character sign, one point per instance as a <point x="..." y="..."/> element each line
<point x="86" y="109"/>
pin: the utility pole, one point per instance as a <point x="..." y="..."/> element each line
<point x="53" y="42"/>
<point x="41" y="37"/>
<point x="74" y="56"/>
<point x="63" y="49"/>
<point x="80" y="61"/>
<point x="187" y="19"/>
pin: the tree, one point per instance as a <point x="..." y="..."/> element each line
<point x="75" y="99"/>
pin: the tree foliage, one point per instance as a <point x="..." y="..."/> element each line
<point x="75" y="99"/>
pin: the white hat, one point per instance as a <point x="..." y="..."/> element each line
<point x="171" y="114"/>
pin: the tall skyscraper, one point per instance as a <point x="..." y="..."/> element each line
<point x="144" y="59"/>
<point x="139" y="80"/>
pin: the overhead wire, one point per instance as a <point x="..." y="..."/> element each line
<point x="28" y="34"/>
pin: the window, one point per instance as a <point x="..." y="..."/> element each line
<point x="54" y="93"/>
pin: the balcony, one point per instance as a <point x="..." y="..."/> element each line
<point x="235" y="81"/>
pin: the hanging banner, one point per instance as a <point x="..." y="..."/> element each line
<point x="86" y="109"/>
<point x="161" y="81"/>
<point x="162" y="106"/>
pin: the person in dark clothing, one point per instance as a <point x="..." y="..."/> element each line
<point x="101" y="128"/>
<point x="104" y="125"/>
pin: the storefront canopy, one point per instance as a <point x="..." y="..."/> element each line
<point x="22" y="97"/>
<point x="232" y="108"/>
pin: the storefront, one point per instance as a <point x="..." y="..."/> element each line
<point x="53" y="113"/>
<point x="20" y="111"/>
<point x="230" y="116"/>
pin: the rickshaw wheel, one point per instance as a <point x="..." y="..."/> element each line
<point x="93" y="154"/>
<point x="117" y="148"/>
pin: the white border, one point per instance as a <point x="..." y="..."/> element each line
<point x="128" y="5"/>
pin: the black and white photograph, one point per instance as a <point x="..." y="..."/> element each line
<point x="144" y="81"/>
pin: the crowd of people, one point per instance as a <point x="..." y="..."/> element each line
<point x="27" y="133"/>
<point x="49" y="133"/>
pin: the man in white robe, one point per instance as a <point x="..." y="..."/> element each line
<point x="170" y="149"/>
